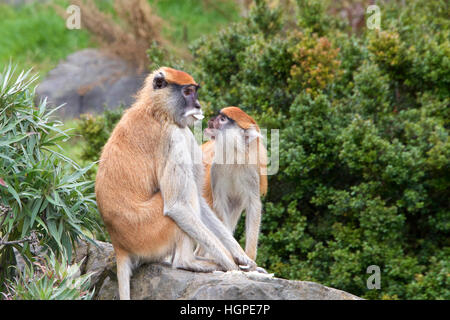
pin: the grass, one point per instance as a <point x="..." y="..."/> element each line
<point x="33" y="35"/>
<point x="188" y="20"/>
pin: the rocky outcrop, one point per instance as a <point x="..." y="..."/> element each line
<point x="160" y="281"/>
<point x="87" y="81"/>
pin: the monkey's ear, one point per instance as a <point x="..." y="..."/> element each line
<point x="159" y="81"/>
<point x="251" y="134"/>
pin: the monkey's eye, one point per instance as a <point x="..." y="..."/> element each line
<point x="188" y="91"/>
<point x="223" y="119"/>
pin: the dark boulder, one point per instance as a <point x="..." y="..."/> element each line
<point x="87" y="81"/>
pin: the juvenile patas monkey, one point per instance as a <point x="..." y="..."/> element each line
<point x="149" y="184"/>
<point x="236" y="163"/>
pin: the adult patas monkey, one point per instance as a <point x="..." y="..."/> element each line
<point x="149" y="184"/>
<point x="236" y="172"/>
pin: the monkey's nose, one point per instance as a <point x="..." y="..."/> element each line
<point x="197" y="105"/>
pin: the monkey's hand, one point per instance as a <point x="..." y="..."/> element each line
<point x="245" y="263"/>
<point x="258" y="269"/>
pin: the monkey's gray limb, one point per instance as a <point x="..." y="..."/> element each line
<point x="224" y="235"/>
<point x="184" y="257"/>
<point x="252" y="225"/>
<point x="194" y="227"/>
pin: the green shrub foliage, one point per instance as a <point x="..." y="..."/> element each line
<point x="45" y="199"/>
<point x="95" y="130"/>
<point x="364" y="173"/>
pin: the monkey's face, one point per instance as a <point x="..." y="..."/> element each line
<point x="179" y="100"/>
<point x="187" y="109"/>
<point x="228" y="128"/>
<point x="218" y="126"/>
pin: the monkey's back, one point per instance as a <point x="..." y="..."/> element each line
<point x="127" y="188"/>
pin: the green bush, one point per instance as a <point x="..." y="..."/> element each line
<point x="46" y="200"/>
<point x="95" y="131"/>
<point x="364" y="173"/>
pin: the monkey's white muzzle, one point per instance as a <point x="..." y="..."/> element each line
<point x="197" y="114"/>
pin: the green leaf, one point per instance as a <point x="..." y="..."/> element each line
<point x="13" y="140"/>
<point x="52" y="228"/>
<point x="14" y="194"/>
<point x="35" y="209"/>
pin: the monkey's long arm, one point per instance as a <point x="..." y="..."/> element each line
<point x="181" y="202"/>
<point x="225" y="235"/>
<point x="252" y="225"/>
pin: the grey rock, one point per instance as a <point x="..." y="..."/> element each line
<point x="96" y="259"/>
<point x="159" y="281"/>
<point x="87" y="81"/>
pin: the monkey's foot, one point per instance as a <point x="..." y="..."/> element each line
<point x="248" y="269"/>
<point x="203" y="258"/>
<point x="261" y="270"/>
<point x="198" y="266"/>
<point x="244" y="262"/>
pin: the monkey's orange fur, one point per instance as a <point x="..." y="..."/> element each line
<point x="126" y="184"/>
<point x="242" y="119"/>
<point x="178" y="77"/>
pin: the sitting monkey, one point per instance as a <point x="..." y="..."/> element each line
<point x="235" y="179"/>
<point x="149" y="184"/>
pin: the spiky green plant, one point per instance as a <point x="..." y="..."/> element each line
<point x="50" y="279"/>
<point x="42" y="192"/>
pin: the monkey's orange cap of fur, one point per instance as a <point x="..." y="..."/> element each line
<point x="242" y="119"/>
<point x="177" y="76"/>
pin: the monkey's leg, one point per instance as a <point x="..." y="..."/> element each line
<point x="181" y="201"/>
<point x="200" y="251"/>
<point x="194" y="227"/>
<point x="252" y="225"/>
<point x="184" y="257"/>
<point x="123" y="273"/>
<point x="224" y="235"/>
<point x="204" y="258"/>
